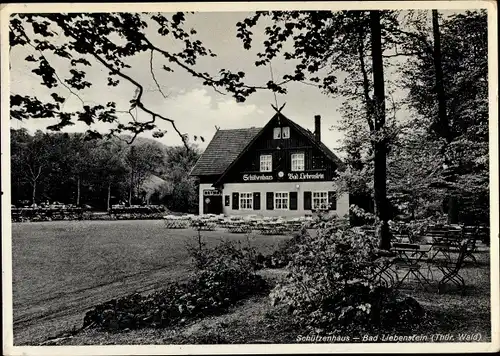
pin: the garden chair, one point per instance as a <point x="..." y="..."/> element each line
<point x="471" y="233"/>
<point x="444" y="240"/>
<point x="451" y="269"/>
<point x="383" y="272"/>
<point x="410" y="257"/>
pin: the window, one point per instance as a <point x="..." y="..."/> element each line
<point x="281" y="201"/>
<point x="246" y="201"/>
<point x="318" y="161"/>
<point x="277" y="133"/>
<point x="297" y="162"/>
<point x="266" y="163"/>
<point x="285" y="132"/>
<point x="320" y="200"/>
<point x="281" y="132"/>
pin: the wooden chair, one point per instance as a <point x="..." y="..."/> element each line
<point x="471" y="233"/>
<point x="451" y="269"/>
<point x="444" y="240"/>
<point x="411" y="259"/>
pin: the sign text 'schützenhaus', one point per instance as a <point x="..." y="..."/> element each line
<point x="281" y="169"/>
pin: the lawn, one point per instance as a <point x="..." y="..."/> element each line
<point x="62" y="268"/>
<point x="256" y="321"/>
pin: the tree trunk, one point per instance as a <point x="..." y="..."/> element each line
<point x="380" y="145"/>
<point x="453" y="209"/>
<point x="442" y="127"/>
<point x="109" y="196"/>
<point x="78" y="191"/>
<point x="33" y="195"/>
<point x="130" y="191"/>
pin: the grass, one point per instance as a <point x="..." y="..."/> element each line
<point x="466" y="314"/>
<point x="62" y="268"/>
<point x="256" y="321"/>
<point x="253" y="320"/>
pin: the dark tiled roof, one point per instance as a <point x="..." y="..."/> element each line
<point x="223" y="150"/>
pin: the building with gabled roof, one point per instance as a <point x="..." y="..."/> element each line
<point x="281" y="169"/>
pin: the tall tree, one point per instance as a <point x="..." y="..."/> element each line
<point x="18" y="141"/>
<point x="380" y="145"/>
<point x="31" y="160"/>
<point x="178" y="164"/>
<point x="327" y="45"/>
<point x="142" y="160"/>
<point x="442" y="127"/>
<point x="463" y="46"/>
<point x="109" y="166"/>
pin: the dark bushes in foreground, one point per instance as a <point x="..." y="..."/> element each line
<point x="223" y="277"/>
<point x="330" y="285"/>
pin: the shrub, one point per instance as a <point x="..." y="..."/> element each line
<point x="282" y="256"/>
<point x="224" y="275"/>
<point x="330" y="285"/>
<point x="226" y="255"/>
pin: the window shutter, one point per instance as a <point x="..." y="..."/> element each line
<point x="226" y="200"/>
<point x="236" y="201"/>
<point x="269" y="200"/>
<point x="307" y="200"/>
<point x="332" y="201"/>
<point x="293" y="200"/>
<point x="256" y="201"/>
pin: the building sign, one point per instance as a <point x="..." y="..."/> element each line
<point x="257" y="177"/>
<point x="306" y="176"/>
<point x="283" y="177"/>
<point x="212" y="192"/>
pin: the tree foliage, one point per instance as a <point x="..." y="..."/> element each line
<point x="325" y="44"/>
<point x="65" y="168"/>
<point x="464" y="170"/>
<point x="329" y="50"/>
<point x="63" y="46"/>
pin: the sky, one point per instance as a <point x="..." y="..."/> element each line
<point x="196" y="109"/>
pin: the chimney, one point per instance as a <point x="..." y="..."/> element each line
<point x="317" y="127"/>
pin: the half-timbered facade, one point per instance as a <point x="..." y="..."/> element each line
<point x="281" y="169"/>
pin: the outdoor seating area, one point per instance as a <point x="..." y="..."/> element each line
<point x="433" y="259"/>
<point x="46" y="213"/>
<point x="237" y="224"/>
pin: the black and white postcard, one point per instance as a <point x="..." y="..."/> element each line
<point x="302" y="177"/>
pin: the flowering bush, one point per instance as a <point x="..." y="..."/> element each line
<point x="330" y="284"/>
<point x="364" y="217"/>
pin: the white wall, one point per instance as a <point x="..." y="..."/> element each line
<point x="263" y="188"/>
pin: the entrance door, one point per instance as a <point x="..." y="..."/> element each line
<point x="212" y="204"/>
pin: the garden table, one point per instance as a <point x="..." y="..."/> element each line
<point x="273" y="228"/>
<point x="204" y="225"/>
<point x="240" y="227"/>
<point x="411" y="257"/>
<point x="175" y="223"/>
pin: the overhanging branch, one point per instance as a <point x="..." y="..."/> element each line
<point x="153" y="74"/>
